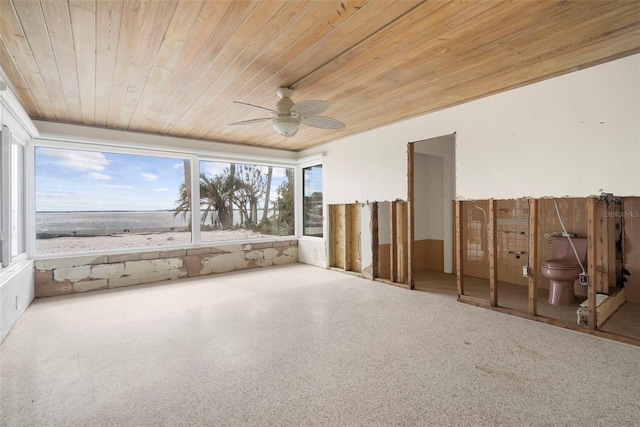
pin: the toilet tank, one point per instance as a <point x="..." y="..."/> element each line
<point x="562" y="248"/>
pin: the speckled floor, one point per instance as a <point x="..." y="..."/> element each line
<point x="298" y="345"/>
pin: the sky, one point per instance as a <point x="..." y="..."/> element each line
<point x="73" y="180"/>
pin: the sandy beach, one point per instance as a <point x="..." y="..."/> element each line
<point x="137" y="240"/>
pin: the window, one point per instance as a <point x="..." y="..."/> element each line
<point x="312" y="201"/>
<point x="17" y="199"/>
<point x="244" y="201"/>
<point x="6" y="180"/>
<point x="91" y="200"/>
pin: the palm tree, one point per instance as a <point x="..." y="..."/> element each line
<point x="216" y="196"/>
<point x="183" y="204"/>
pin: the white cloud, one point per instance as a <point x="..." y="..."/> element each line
<point x="279" y="172"/>
<point x="120" y="187"/>
<point x="149" y="176"/>
<point x="160" y="189"/>
<point x="45" y="194"/>
<point x="178" y="165"/>
<point x="80" y="160"/>
<point x="214" y="168"/>
<point x="98" y="175"/>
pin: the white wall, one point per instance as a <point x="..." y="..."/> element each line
<point x="444" y="148"/>
<point x="313" y="251"/>
<point x="576" y="135"/>
<point x="429" y="197"/>
<point x="16" y="293"/>
<point x="16" y="280"/>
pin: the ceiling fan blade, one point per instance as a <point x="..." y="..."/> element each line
<point x="252" y="121"/>
<point x="310" y="108"/>
<point x="323" y="122"/>
<point x="256" y="107"/>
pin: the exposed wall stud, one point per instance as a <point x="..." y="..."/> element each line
<point x="592" y="289"/>
<point x="493" y="249"/>
<point x="459" y="249"/>
<point x="410" y="217"/>
<point x="533" y="254"/>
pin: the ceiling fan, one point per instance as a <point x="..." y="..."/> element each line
<point x="288" y="116"/>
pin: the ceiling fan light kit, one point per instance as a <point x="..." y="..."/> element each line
<point x="288" y="116"/>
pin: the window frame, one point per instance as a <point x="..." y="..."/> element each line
<point x="120" y="147"/>
<point x="303" y="163"/>
<point x="304" y="201"/>
<point x="18" y="181"/>
<point x="6" y="185"/>
<point x="254" y="162"/>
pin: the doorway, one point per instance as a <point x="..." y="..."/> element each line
<point x="431" y="197"/>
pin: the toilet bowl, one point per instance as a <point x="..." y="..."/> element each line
<point x="563" y="270"/>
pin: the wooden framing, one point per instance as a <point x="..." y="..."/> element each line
<point x="375" y="242"/>
<point x="602" y="247"/>
<point x="493" y="252"/>
<point x="393" y="248"/>
<point x="592" y="290"/>
<point x="344" y="237"/>
<point x="533" y="257"/>
<point x="599" y="256"/>
<point x="410" y="217"/>
<point x="355" y="237"/>
<point x="348" y="238"/>
<point x="459" y="249"/>
<point x="399" y="254"/>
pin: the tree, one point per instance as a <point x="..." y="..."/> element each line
<point x="265" y="208"/>
<point x="285" y="206"/>
<point x="216" y="197"/>
<point x="250" y="189"/>
<point x="183" y="204"/>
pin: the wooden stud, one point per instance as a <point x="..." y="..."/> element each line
<point x="601" y="240"/>
<point x="592" y="290"/>
<point x="493" y="252"/>
<point x="393" y="256"/>
<point x="375" y="242"/>
<point x="533" y="254"/>
<point x="332" y="236"/>
<point x="346" y="215"/>
<point x="355" y="239"/>
<point x="411" y="216"/>
<point x="401" y="242"/>
<point x="459" y="249"/>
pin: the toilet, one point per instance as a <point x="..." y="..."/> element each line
<point x="564" y="269"/>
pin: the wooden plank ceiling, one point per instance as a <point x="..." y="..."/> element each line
<point x="174" y="67"/>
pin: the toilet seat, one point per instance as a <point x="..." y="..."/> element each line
<point x="560" y="264"/>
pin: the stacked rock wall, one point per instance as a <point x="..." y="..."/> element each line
<point x="60" y="276"/>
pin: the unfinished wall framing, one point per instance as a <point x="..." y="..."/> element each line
<point x="355" y="246"/>
<point x="603" y="225"/>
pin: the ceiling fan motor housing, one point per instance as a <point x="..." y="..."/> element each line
<point x="283" y="106"/>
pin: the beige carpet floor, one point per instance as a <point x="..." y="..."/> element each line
<point x="297" y="346"/>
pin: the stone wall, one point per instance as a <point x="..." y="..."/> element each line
<point x="88" y="273"/>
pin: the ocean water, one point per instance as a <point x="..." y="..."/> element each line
<point x="107" y="222"/>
